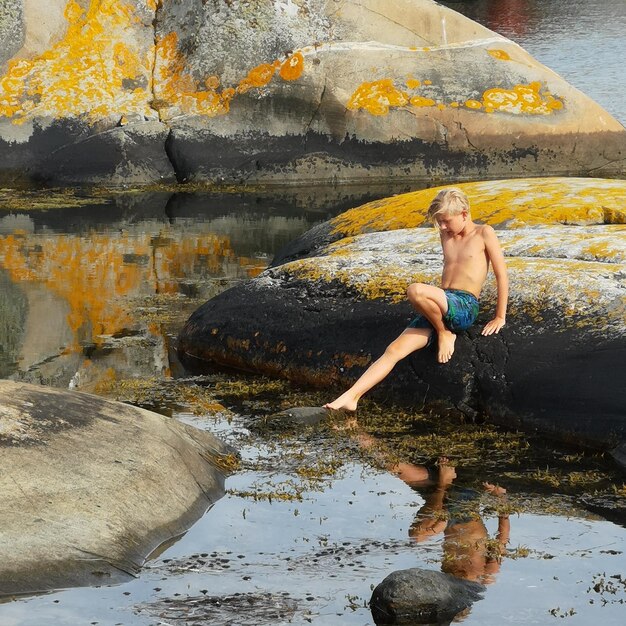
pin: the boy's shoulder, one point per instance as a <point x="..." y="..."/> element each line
<point x="486" y="231"/>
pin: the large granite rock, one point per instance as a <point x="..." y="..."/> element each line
<point x="137" y="91"/>
<point x="91" y="487"/>
<point x="335" y="298"/>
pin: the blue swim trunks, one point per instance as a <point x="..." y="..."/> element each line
<point x="462" y="311"/>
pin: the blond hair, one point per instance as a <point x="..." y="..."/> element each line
<point x="450" y="201"/>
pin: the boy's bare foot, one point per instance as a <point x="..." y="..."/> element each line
<point x="344" y="402"/>
<point x="446" y="341"/>
<point x="494" y="490"/>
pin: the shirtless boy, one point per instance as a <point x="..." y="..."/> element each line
<point x="468" y="248"/>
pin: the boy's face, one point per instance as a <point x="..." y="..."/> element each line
<point x="451" y="223"/>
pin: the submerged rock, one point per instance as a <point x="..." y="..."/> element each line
<point x="92" y="487"/>
<point x="319" y="90"/>
<point x="418" y="596"/>
<point x="335" y="298"/>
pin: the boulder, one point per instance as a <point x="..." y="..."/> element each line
<point x="138" y="91"/>
<point x="419" y="596"/>
<point x="75" y="97"/>
<point x="335" y="298"/>
<point x="92" y="487"/>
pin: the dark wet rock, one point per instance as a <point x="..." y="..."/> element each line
<point x="619" y="454"/>
<point x="69" y="152"/>
<point x="93" y="487"/>
<point x="299" y="416"/>
<point x="336" y="302"/>
<point x="318" y="90"/>
<point x="610" y="506"/>
<point x="418" y="596"/>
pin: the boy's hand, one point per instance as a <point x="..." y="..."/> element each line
<point x="493" y="326"/>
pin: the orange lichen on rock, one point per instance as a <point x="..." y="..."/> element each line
<point x="257" y="77"/>
<point x="420" y="101"/>
<point x="512" y="203"/>
<point x="96" y="275"/>
<point x="176" y="88"/>
<point x="292" y="68"/>
<point x="501" y="55"/>
<point x="86" y="73"/>
<point x="99" y="69"/>
<point x="173" y="86"/>
<point x="377" y="97"/>
<point x="521" y="99"/>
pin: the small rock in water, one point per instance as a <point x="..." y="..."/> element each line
<point x="301" y="415"/>
<point x="418" y="596"/>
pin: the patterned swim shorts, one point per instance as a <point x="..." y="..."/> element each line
<point x="462" y="311"/>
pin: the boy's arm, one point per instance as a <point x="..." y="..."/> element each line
<point x="494" y="253"/>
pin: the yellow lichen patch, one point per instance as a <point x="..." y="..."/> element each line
<point x="513" y="203"/>
<point x="173" y="86"/>
<point x="293" y="67"/>
<point x="86" y="73"/>
<point x="377" y="97"/>
<point x="473" y="104"/>
<point x="402" y="211"/>
<point x="388" y="282"/>
<point x="615" y="214"/>
<point x="603" y="250"/>
<point x="521" y="99"/>
<point x="176" y="88"/>
<point x="257" y="77"/>
<point x="501" y="55"/>
<point x="98" y="69"/>
<point x="420" y="101"/>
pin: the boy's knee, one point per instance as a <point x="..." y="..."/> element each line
<point x="393" y="352"/>
<point x="415" y="291"/>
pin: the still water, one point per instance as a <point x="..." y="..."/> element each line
<point x="95" y="287"/>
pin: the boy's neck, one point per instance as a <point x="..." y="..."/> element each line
<point x="468" y="228"/>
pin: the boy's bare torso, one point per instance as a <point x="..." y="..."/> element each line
<point x="465" y="260"/>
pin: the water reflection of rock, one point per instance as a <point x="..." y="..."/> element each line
<point x="13" y="307"/>
<point x="74" y="308"/>
<point x="87" y="267"/>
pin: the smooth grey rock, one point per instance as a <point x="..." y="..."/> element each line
<point x="92" y="487"/>
<point x="301" y="415"/>
<point x="418" y="596"/>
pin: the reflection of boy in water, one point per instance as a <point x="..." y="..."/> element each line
<point x="468" y="552"/>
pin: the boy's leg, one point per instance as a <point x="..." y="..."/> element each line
<point x="432" y="303"/>
<point x="410" y="340"/>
